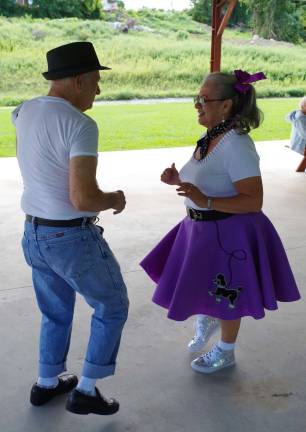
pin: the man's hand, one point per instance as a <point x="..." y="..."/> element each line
<point x="170" y="176"/>
<point x="119" y="202"/>
<point x="188" y="190"/>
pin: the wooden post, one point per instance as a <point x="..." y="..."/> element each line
<point x="218" y="24"/>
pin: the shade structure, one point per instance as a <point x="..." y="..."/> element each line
<point x="221" y="13"/>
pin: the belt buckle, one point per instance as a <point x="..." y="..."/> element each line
<point x="199" y="215"/>
<point x="192" y="214"/>
<point x="195" y="214"/>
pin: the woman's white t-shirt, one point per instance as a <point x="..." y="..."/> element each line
<point x="234" y="158"/>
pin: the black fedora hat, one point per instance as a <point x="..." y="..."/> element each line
<point x="72" y="59"/>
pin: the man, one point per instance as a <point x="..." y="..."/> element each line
<point x="57" y="153"/>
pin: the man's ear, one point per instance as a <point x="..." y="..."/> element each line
<point x="78" y="83"/>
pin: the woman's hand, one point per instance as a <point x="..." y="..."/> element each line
<point x="188" y="190"/>
<point x="170" y="176"/>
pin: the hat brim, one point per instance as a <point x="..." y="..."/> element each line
<point x="65" y="73"/>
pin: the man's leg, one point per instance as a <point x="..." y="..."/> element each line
<point x="56" y="301"/>
<point x="104" y="290"/>
<point x="107" y="323"/>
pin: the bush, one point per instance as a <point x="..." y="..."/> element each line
<point x="182" y="35"/>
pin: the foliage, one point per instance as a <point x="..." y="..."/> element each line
<point x="159" y="61"/>
<point x="158" y="125"/>
<point x="202" y="12"/>
<point x="91" y="9"/>
<point x="10" y="8"/>
<point x="278" y="19"/>
<point x="56" y="8"/>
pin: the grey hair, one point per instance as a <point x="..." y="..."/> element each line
<point x="66" y="80"/>
<point x="245" y="113"/>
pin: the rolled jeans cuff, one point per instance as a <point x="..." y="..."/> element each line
<point x="91" y="370"/>
<point x="50" y="371"/>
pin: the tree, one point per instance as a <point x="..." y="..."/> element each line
<point x="278" y="19"/>
<point x="202" y="12"/>
<point x="10" y="8"/>
<point x="57" y="8"/>
<point x="92" y="9"/>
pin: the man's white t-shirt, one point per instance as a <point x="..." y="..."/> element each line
<point x="50" y="131"/>
<point x="234" y="158"/>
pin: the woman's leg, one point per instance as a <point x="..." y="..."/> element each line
<point x="222" y="354"/>
<point x="229" y="330"/>
<point x="205" y="326"/>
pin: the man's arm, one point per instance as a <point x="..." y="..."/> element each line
<point x="84" y="191"/>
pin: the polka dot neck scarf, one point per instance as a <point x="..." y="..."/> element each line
<point x="217" y="130"/>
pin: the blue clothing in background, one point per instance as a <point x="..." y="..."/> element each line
<point x="298" y="132"/>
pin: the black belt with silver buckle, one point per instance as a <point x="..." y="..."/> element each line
<point x="207" y="215"/>
<point x="61" y="223"/>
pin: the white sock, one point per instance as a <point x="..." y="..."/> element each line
<point x="87" y="385"/>
<point x="226" y="346"/>
<point x="47" y="382"/>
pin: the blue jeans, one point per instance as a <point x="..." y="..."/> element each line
<point x="69" y="260"/>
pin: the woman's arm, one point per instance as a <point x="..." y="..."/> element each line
<point x="249" y="198"/>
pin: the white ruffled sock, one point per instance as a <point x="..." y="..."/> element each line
<point x="226" y="346"/>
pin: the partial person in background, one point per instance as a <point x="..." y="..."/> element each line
<point x="224" y="260"/>
<point x="57" y="151"/>
<point x="298" y="133"/>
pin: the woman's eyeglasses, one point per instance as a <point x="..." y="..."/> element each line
<point x="203" y="100"/>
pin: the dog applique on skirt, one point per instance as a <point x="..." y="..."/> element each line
<point x="226" y="268"/>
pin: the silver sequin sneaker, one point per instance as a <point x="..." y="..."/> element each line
<point x="205" y="327"/>
<point x="213" y="360"/>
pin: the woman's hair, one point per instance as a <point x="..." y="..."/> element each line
<point x="303" y="102"/>
<point x="245" y="113"/>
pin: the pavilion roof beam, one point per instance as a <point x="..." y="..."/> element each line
<point x="219" y="23"/>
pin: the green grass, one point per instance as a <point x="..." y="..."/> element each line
<point x="127" y="127"/>
<point x="161" y="63"/>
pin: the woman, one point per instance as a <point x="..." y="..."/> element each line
<point x="298" y="134"/>
<point x="224" y="260"/>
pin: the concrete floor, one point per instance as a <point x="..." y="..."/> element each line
<point x="158" y="391"/>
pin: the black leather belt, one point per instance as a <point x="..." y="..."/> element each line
<point x="61" y="223"/>
<point x="207" y="215"/>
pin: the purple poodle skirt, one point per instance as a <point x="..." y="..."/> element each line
<point x="226" y="268"/>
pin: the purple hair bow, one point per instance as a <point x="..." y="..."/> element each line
<point x="244" y="80"/>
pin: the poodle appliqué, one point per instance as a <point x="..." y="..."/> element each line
<point x="223" y="291"/>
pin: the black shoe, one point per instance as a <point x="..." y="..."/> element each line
<point x="41" y="395"/>
<point x="80" y="403"/>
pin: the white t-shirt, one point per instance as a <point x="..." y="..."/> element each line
<point x="50" y="131"/>
<point x="234" y="158"/>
